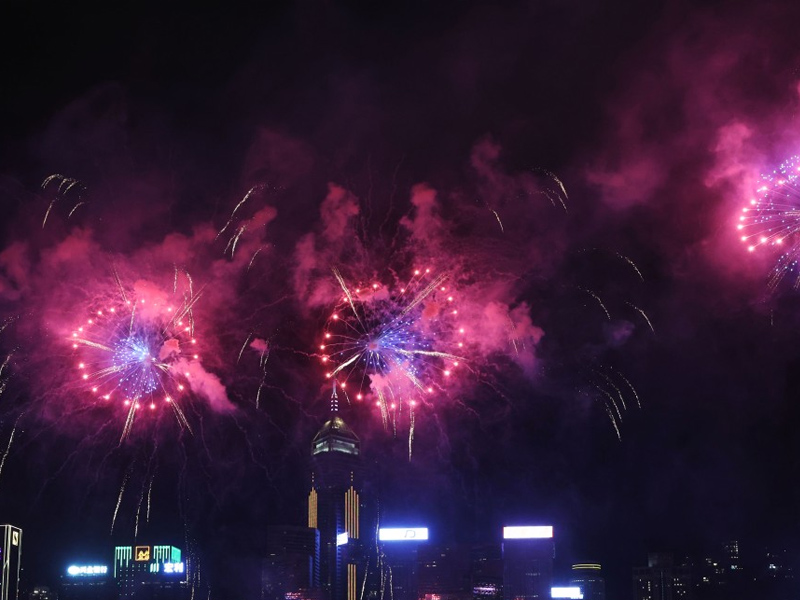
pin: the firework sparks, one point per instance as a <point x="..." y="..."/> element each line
<point x="395" y="345"/>
<point x="599" y="301"/>
<point x="66" y="186"/>
<point x="772" y="218"/>
<point x="644" y="315"/>
<point x="137" y="351"/>
<point x="612" y="388"/>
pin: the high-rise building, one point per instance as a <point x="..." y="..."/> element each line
<point x="662" y="579"/>
<point x="334" y="506"/>
<point x="153" y="572"/>
<point x="528" y="554"/>
<point x="10" y="557"/>
<point x="291" y="565"/>
<point x="398" y="548"/>
<point x="589" y="577"/>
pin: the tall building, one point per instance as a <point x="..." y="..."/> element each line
<point x="589" y="577"/>
<point x="398" y="547"/>
<point x="334" y="506"/>
<point x="662" y="579"/>
<point x="10" y="556"/>
<point x="528" y="554"/>
<point x="153" y="572"/>
<point x="291" y="565"/>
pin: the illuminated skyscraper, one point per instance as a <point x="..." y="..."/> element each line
<point x="11" y="556"/>
<point x="528" y="554"/>
<point x="334" y="505"/>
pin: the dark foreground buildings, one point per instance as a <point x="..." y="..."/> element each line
<point x="11" y="559"/>
<point x="140" y="572"/>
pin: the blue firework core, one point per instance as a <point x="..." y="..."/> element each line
<point x="135" y="359"/>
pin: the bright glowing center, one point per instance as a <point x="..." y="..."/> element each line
<point x="134" y="362"/>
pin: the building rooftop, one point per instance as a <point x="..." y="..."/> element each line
<point x="335" y="436"/>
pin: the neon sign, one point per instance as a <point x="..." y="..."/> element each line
<point x="83" y="570"/>
<point x="411" y="534"/>
<point x="177" y="567"/>
<point x="572" y="592"/>
<point x="528" y="532"/>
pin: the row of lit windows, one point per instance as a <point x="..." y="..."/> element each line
<point x="312" y="509"/>
<point x="351" y="506"/>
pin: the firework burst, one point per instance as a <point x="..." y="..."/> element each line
<point x="394" y="345"/>
<point x="137" y="352"/>
<point x="772" y="218"/>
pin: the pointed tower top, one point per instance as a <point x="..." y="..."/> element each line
<point x="334" y="400"/>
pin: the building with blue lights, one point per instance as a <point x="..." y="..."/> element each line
<point x="334" y="506"/>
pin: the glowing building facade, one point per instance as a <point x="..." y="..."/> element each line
<point x="10" y="557"/>
<point x="151" y="572"/>
<point x="528" y="554"/>
<point x="334" y="506"/>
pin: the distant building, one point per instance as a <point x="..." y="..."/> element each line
<point x="589" y="577"/>
<point x="334" y="506"/>
<point x="662" y="579"/>
<point x="444" y="572"/>
<point x="528" y="554"/>
<point x="291" y="564"/>
<point x="41" y="592"/>
<point x="486" y="572"/>
<point x="11" y="558"/>
<point x="88" y="582"/>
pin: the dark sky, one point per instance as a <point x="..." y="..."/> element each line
<point x="376" y="138"/>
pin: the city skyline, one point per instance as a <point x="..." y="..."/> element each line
<point x="517" y="220"/>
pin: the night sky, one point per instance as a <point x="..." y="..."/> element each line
<point x="576" y="169"/>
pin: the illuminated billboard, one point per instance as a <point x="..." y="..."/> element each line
<point x="168" y="567"/>
<point x="86" y="570"/>
<point x="401" y="534"/>
<point x="528" y="532"/>
<point x="142" y="554"/>
<point x="572" y="592"/>
<point x="342" y="538"/>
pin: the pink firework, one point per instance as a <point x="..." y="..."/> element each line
<point x="772" y="218"/>
<point x="396" y="345"/>
<point x="137" y="352"/>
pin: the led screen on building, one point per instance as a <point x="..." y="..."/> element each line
<point x="527" y="532"/>
<point x="86" y="570"/>
<point x="573" y="593"/>
<point x="400" y="534"/>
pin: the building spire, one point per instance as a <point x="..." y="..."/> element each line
<point x="334" y="400"/>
